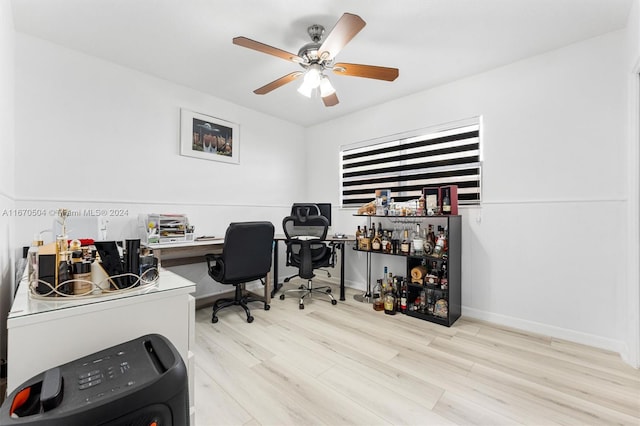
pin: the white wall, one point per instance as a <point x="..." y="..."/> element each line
<point x="633" y="251"/>
<point x="91" y="134"/>
<point x="543" y="251"/>
<point x="7" y="169"/>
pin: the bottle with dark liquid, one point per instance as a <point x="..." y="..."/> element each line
<point x="389" y="303"/>
<point x="403" y="298"/>
<point x="446" y="202"/>
<point x="405" y="246"/>
<point x="378" y="296"/>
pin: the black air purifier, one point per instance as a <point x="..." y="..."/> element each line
<point x="140" y="382"/>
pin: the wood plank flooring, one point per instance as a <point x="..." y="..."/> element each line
<point x="350" y="365"/>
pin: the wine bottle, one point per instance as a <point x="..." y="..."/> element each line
<point x="446" y="202"/>
<point x="403" y="298"/>
<point x="405" y="246"/>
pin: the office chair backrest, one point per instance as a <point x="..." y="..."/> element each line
<point x="247" y="251"/>
<point x="313" y="226"/>
<point x="303" y="210"/>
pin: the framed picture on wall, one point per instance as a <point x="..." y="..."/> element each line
<point x="209" y="138"/>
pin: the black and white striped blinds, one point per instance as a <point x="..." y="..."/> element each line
<point x="405" y="166"/>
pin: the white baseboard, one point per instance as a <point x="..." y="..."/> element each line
<point x="540" y="328"/>
<point x="548" y="330"/>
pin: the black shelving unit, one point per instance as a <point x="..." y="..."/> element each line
<point x="452" y="293"/>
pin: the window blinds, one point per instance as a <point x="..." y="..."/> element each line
<point x="405" y="166"/>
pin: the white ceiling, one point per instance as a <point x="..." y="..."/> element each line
<point x="431" y="41"/>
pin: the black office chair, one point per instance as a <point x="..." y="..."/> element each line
<point x="307" y="251"/>
<point x="246" y="256"/>
<point x="302" y="211"/>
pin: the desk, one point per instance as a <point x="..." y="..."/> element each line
<point x="174" y="255"/>
<point x="46" y="333"/>
<point x="337" y="242"/>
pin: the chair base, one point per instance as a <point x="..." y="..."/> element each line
<point x="287" y="279"/>
<point x="310" y="290"/>
<point x="240" y="300"/>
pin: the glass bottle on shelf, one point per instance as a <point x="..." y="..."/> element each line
<point x="433" y="275"/>
<point x="421" y="206"/>
<point x="405" y="246"/>
<point x="383" y="282"/>
<point x="431" y="237"/>
<point x="403" y="298"/>
<point x="365" y="240"/>
<point x="422" y="306"/>
<point x="389" y="303"/>
<point x="446" y="202"/>
<point x="378" y="302"/>
<point x="385" y="242"/>
<point x="440" y="247"/>
<point x="444" y="277"/>
<point x="376" y="241"/>
<point x="418" y="241"/>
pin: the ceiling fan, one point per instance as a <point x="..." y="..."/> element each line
<point x="317" y="56"/>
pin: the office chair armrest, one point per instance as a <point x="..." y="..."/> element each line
<point x="215" y="265"/>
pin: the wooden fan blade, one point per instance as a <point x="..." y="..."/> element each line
<point x="277" y="83"/>
<point x="346" y="28"/>
<point x="367" y="71"/>
<point x="330" y="100"/>
<point x="265" y="48"/>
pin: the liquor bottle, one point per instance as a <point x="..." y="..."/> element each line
<point x="385" y="247"/>
<point x="389" y="303"/>
<point x="378" y="297"/>
<point x="421" y="206"/>
<point x="433" y="275"/>
<point x="396" y="293"/>
<point x="366" y="240"/>
<point x="403" y="298"/>
<point x="446" y="202"/>
<point x="358" y="234"/>
<point x="444" y="278"/>
<point x="376" y="241"/>
<point x="384" y="286"/>
<point x="418" y="241"/>
<point x="439" y="249"/>
<point x="405" y="246"/>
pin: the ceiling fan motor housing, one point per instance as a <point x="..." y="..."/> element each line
<point x="309" y="52"/>
<point x="316" y="32"/>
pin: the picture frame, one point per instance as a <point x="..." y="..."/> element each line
<point x="209" y="138"/>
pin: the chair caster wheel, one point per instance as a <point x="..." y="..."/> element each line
<point x="328" y="275"/>
<point x="301" y="287"/>
<point x="249" y="319"/>
<point x="301" y="306"/>
<point x="214" y="320"/>
<point x="286" y="280"/>
<point x="267" y="307"/>
<point x="334" y="302"/>
<point x="282" y="297"/>
<point x="328" y="290"/>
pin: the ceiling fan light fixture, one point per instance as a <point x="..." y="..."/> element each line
<point x="313" y="76"/>
<point x="326" y="88"/>
<point x="305" y="89"/>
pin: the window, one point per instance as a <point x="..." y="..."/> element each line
<point x="448" y="155"/>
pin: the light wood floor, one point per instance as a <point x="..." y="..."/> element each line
<point x="348" y="364"/>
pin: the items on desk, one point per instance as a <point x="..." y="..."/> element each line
<point x="69" y="268"/>
<point x="164" y="228"/>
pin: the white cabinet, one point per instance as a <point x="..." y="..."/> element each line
<point x="45" y="333"/>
